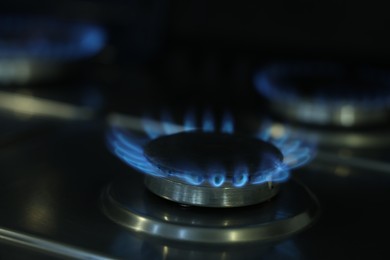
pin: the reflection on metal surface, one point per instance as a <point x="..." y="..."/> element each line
<point x="347" y="115"/>
<point x="336" y="138"/>
<point x="18" y="71"/>
<point x="207" y="196"/>
<point x="41" y="214"/>
<point x="35" y="106"/>
<point x="135" y="208"/>
<point x="342" y="171"/>
<point x="47" y="246"/>
<point x="361" y="163"/>
<point x="163" y="249"/>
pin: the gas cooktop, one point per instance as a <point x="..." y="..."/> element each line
<point x="66" y="195"/>
<point x="116" y="146"/>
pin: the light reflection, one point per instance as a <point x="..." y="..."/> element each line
<point x="342" y="171"/>
<point x="233" y="236"/>
<point x="182" y="233"/>
<point x="165" y="252"/>
<point x="41" y="211"/>
<point x="347" y="115"/>
<point x="140" y="225"/>
<point x="34" y="106"/>
<point x="18" y="71"/>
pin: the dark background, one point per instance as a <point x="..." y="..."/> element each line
<point x="178" y="52"/>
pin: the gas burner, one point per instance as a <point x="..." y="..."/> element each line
<point x="207" y="167"/>
<point x="326" y="93"/>
<point x="211" y="169"/>
<point x="33" y="46"/>
<point x="215" y="170"/>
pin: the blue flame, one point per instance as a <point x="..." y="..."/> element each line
<point x="240" y="176"/>
<point x="45" y="38"/>
<point x="129" y="148"/>
<point x="295" y="152"/>
<point x="168" y="123"/>
<point x="208" y="121"/>
<point x="151" y="128"/>
<point x="217" y="179"/>
<point x="191" y="178"/>
<point x="227" y="123"/>
<point x="190" y="120"/>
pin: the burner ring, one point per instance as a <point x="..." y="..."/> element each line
<point x="210" y="196"/>
<point x="294" y="210"/>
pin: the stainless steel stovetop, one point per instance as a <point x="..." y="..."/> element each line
<point x="54" y="173"/>
<point x="67" y="84"/>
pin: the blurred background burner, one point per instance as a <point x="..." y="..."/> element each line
<point x="37" y="48"/>
<point x="223" y="169"/>
<point x="324" y="93"/>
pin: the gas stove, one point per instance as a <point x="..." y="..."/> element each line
<point x="204" y="173"/>
<point x="61" y="212"/>
<point x="161" y="146"/>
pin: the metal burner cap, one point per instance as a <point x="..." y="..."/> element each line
<point x="205" y="153"/>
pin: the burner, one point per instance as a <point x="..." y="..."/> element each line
<point x="201" y="175"/>
<point x="135" y="208"/>
<point x="325" y="93"/>
<point x="207" y="167"/>
<point x="219" y="165"/>
<point x="31" y="47"/>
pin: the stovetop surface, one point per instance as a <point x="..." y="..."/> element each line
<point x="52" y="182"/>
<point x="174" y="55"/>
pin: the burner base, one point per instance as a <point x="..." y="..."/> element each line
<point x="131" y="205"/>
<point x="206" y="196"/>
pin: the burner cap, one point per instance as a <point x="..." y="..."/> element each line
<point x="205" y="154"/>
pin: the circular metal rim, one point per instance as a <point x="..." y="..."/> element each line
<point x="359" y="139"/>
<point x="343" y="115"/>
<point x="262" y="232"/>
<point x="206" y="196"/>
<point x="329" y="107"/>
